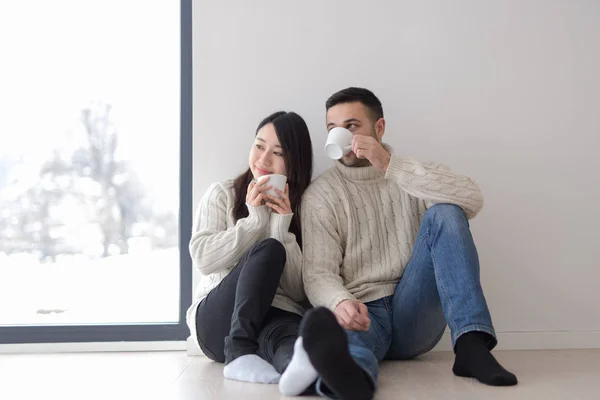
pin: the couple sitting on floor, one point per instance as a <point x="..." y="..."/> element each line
<point x="313" y="285"/>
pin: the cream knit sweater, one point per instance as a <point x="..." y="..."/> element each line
<point x="218" y="243"/>
<point x="359" y="225"/>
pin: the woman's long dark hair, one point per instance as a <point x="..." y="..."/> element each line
<point x="294" y="138"/>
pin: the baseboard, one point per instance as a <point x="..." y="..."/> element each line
<point x="192" y="348"/>
<point x="538" y="340"/>
<point x="508" y="341"/>
<point x="91" y="347"/>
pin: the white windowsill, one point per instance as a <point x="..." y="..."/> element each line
<point x="41" y="348"/>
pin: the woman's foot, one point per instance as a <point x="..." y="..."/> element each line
<point x="251" y="368"/>
<point x="299" y="374"/>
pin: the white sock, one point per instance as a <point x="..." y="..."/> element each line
<point x="251" y="368"/>
<point x="299" y="374"/>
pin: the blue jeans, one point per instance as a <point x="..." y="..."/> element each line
<point x="440" y="286"/>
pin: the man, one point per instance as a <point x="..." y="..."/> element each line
<point x="389" y="257"/>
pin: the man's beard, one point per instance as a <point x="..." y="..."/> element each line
<point x="355" y="162"/>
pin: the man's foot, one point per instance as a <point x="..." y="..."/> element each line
<point x="474" y="360"/>
<point x="327" y="347"/>
<point x="251" y="368"/>
<point x="299" y="374"/>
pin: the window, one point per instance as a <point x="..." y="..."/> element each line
<point x="95" y="170"/>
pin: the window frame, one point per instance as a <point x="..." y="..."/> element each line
<point x="143" y="332"/>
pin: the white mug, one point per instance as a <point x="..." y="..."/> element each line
<point x="339" y="143"/>
<point x="277" y="181"/>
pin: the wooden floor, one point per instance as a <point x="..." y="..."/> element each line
<point x="565" y="374"/>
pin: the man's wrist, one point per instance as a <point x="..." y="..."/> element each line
<point x="339" y="300"/>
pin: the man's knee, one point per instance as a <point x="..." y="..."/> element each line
<point x="446" y="213"/>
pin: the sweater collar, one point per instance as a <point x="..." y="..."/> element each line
<point x="361" y="173"/>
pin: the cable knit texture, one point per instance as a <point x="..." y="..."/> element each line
<point x="218" y="243"/>
<point x="360" y="225"/>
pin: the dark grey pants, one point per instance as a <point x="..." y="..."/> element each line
<point x="236" y="318"/>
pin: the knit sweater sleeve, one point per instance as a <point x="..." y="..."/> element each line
<point x="291" y="279"/>
<point x="435" y="183"/>
<point x="213" y="246"/>
<point x="323" y="254"/>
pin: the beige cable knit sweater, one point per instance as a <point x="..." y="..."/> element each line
<point x="359" y="225"/>
<point x="218" y="243"/>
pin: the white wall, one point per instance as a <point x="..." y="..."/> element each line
<point x="507" y="91"/>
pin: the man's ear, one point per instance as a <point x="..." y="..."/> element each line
<point x="380" y="128"/>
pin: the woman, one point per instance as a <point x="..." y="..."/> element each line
<point x="246" y="245"/>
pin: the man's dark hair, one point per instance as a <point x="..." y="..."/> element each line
<point x="354" y="94"/>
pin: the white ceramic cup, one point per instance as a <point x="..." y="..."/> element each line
<point x="339" y="143"/>
<point x="277" y="181"/>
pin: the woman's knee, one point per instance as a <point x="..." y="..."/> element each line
<point x="272" y="248"/>
<point x="265" y="257"/>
